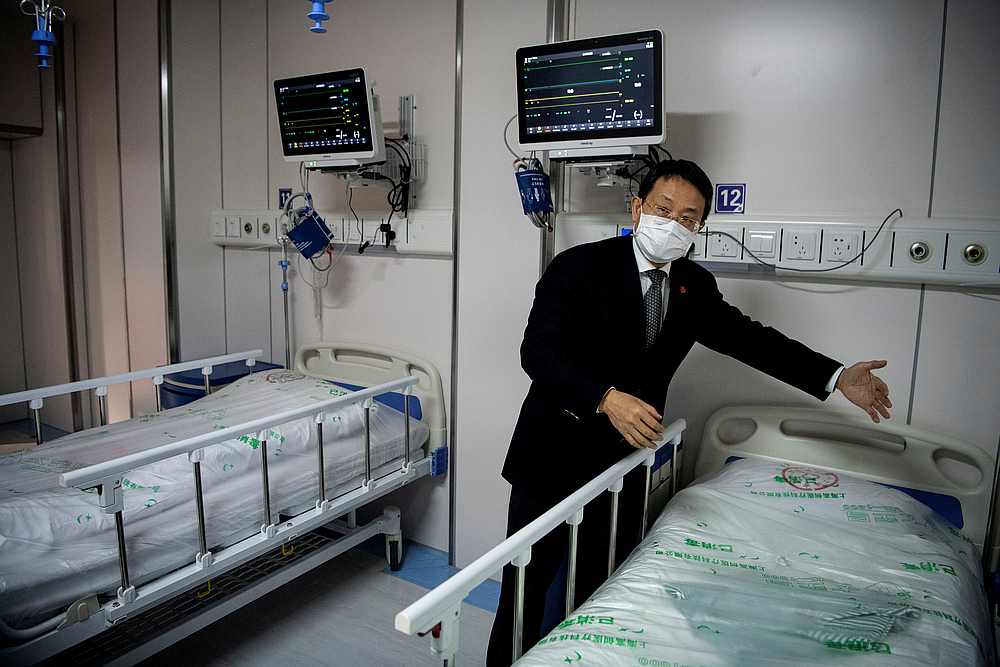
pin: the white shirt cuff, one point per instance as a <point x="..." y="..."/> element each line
<point x="832" y="384"/>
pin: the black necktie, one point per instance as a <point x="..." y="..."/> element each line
<point x="653" y="304"/>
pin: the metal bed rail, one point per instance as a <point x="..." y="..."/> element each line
<point x="106" y="477"/>
<point x="439" y="611"/>
<point x="35" y="398"/>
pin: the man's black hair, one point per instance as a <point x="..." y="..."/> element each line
<point x="685" y="169"/>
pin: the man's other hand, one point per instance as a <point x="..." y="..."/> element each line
<point x="863" y="388"/>
<point x="637" y="421"/>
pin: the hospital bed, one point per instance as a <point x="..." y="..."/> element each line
<point x="119" y="540"/>
<point x="808" y="538"/>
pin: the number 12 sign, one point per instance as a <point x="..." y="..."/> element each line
<point x="730" y="197"/>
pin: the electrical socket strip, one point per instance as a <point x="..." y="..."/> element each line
<point x="423" y="232"/>
<point x="908" y="250"/>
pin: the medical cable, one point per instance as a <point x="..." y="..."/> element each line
<point x="505" y="143"/>
<point x="826" y="270"/>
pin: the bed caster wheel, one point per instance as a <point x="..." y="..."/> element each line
<point x="394" y="552"/>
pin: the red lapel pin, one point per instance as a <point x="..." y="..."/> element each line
<point x="682" y="289"/>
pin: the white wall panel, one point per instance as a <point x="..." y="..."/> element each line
<point x="139" y="129"/>
<point x="244" y="125"/>
<point x="197" y="176"/>
<point x="81" y="342"/>
<point x="100" y="198"/>
<point x="277" y="309"/>
<point x="39" y="240"/>
<point x="957" y="386"/>
<point x="968" y="136"/>
<point x="12" y="361"/>
<point x="847" y="323"/>
<point x="244" y="104"/>
<point x="498" y="268"/>
<point x="248" y="302"/>
<point x="821" y="107"/>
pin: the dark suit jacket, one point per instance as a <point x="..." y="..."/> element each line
<point x="585" y="334"/>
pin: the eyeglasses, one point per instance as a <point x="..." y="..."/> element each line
<point x="691" y="224"/>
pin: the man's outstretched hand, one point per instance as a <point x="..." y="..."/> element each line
<point x="863" y="388"/>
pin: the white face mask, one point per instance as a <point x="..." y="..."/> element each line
<point x="662" y="240"/>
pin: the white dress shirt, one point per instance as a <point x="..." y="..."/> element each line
<point x="645" y="265"/>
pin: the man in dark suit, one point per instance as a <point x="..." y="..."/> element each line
<point x="610" y="324"/>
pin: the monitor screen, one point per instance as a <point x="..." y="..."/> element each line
<point x="591" y="89"/>
<point x="324" y="114"/>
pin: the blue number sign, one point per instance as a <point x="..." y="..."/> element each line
<point x="730" y="197"/>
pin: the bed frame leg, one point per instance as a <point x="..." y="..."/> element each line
<point x="519" y="563"/>
<point x="574" y="529"/>
<point x="393" y="538"/>
<point x="615" y="489"/>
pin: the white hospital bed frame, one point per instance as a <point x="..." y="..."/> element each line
<point x="885" y="453"/>
<point x="382" y="370"/>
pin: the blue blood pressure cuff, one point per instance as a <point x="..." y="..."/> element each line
<point x="311" y="236"/>
<point x="536" y="196"/>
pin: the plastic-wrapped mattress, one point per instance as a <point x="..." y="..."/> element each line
<point x="768" y="564"/>
<point x="56" y="546"/>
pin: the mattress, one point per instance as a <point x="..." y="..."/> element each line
<point x="772" y="564"/>
<point x="57" y="547"/>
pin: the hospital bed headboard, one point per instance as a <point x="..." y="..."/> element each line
<point x="937" y="467"/>
<point x="368" y="365"/>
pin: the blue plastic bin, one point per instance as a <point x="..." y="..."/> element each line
<point x="186" y="386"/>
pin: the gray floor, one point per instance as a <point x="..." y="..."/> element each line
<point x="339" y="614"/>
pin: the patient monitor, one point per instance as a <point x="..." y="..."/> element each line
<point x="592" y="98"/>
<point x="330" y="121"/>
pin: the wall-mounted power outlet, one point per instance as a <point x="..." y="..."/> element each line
<point x="724" y="243"/>
<point x="336" y="225"/>
<point x="799" y="245"/>
<point x="841" y="246"/>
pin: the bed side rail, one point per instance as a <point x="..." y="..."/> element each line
<point x="106" y="477"/>
<point x="35" y="398"/>
<point x="438" y="612"/>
